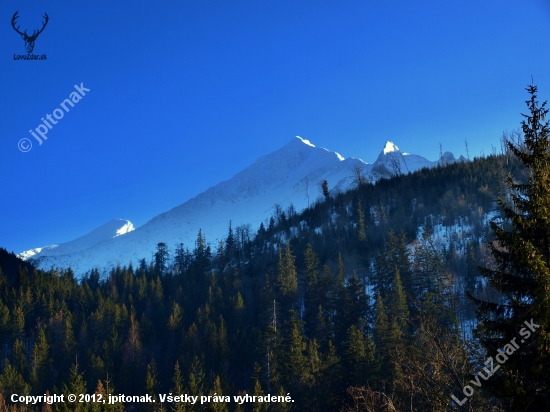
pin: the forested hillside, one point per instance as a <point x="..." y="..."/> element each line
<point x="357" y="303"/>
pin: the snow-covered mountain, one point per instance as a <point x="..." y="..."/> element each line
<point x="449" y="158"/>
<point x="391" y="161"/>
<point x="289" y="175"/>
<point x="109" y="230"/>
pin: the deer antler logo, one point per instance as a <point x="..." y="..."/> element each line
<point x="29" y="40"/>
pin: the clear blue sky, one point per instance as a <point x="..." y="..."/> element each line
<point x="185" y="94"/>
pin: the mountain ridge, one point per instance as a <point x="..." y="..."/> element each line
<point x="288" y="175"/>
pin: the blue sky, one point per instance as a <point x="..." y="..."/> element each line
<point x="185" y="94"/>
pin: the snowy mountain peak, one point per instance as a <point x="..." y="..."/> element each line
<point x="304" y="141"/>
<point x="111" y="229"/>
<point x="27" y="254"/>
<point x="125" y="228"/>
<point x="298" y="143"/>
<point x="390" y="147"/>
<point x="447" y="158"/>
<point x="392" y="162"/>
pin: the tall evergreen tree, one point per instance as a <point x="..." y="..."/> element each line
<point x="287" y="280"/>
<point x="40" y="362"/>
<point x="76" y="386"/>
<point x="293" y="353"/>
<point x="4" y="315"/>
<point x="105" y="389"/>
<point x="217" y="391"/>
<point x="397" y="304"/>
<point x="12" y="382"/>
<point x="258" y="391"/>
<point x="161" y="258"/>
<point x="312" y="294"/>
<point x="324" y="189"/>
<point x="428" y="267"/>
<point x="313" y="376"/>
<point x="361" y="236"/>
<point x="177" y="389"/>
<point x="175" y="332"/>
<point x="202" y="255"/>
<point x="521" y="274"/>
<point x="196" y="385"/>
<point x="18" y="357"/>
<point x="358" y="357"/>
<point x="381" y="336"/>
<point x="395" y="257"/>
<point x="152" y="385"/>
<point x="471" y="269"/>
<point x="182" y="258"/>
<point x="351" y="309"/>
<point x="230" y="242"/>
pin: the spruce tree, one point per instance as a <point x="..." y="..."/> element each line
<point x="40" y="362"/>
<point x="258" y="391"/>
<point x="361" y="236"/>
<point x="4" y="317"/>
<point x="177" y="389"/>
<point x="311" y="296"/>
<point x="397" y="304"/>
<point x="196" y="382"/>
<point x="230" y="242"/>
<point x="105" y="389"/>
<point x="313" y="375"/>
<point x="331" y="379"/>
<point x="324" y="189"/>
<point x="294" y="361"/>
<point x="381" y="336"/>
<point x="174" y="335"/>
<point x="201" y="255"/>
<point x="395" y="257"/>
<point x="161" y="258"/>
<point x="181" y="259"/>
<point x="11" y="381"/>
<point x="521" y="274"/>
<point x="152" y="385"/>
<point x="76" y="386"/>
<point x="68" y="340"/>
<point x="217" y="391"/>
<point x="287" y="280"/>
<point x="429" y="266"/>
<point x="358" y="356"/>
<point x="18" y="357"/>
<point x="351" y="309"/>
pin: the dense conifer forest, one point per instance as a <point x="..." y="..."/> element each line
<point x="365" y="301"/>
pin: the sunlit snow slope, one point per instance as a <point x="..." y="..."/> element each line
<point x="109" y="230"/>
<point x="282" y="177"/>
